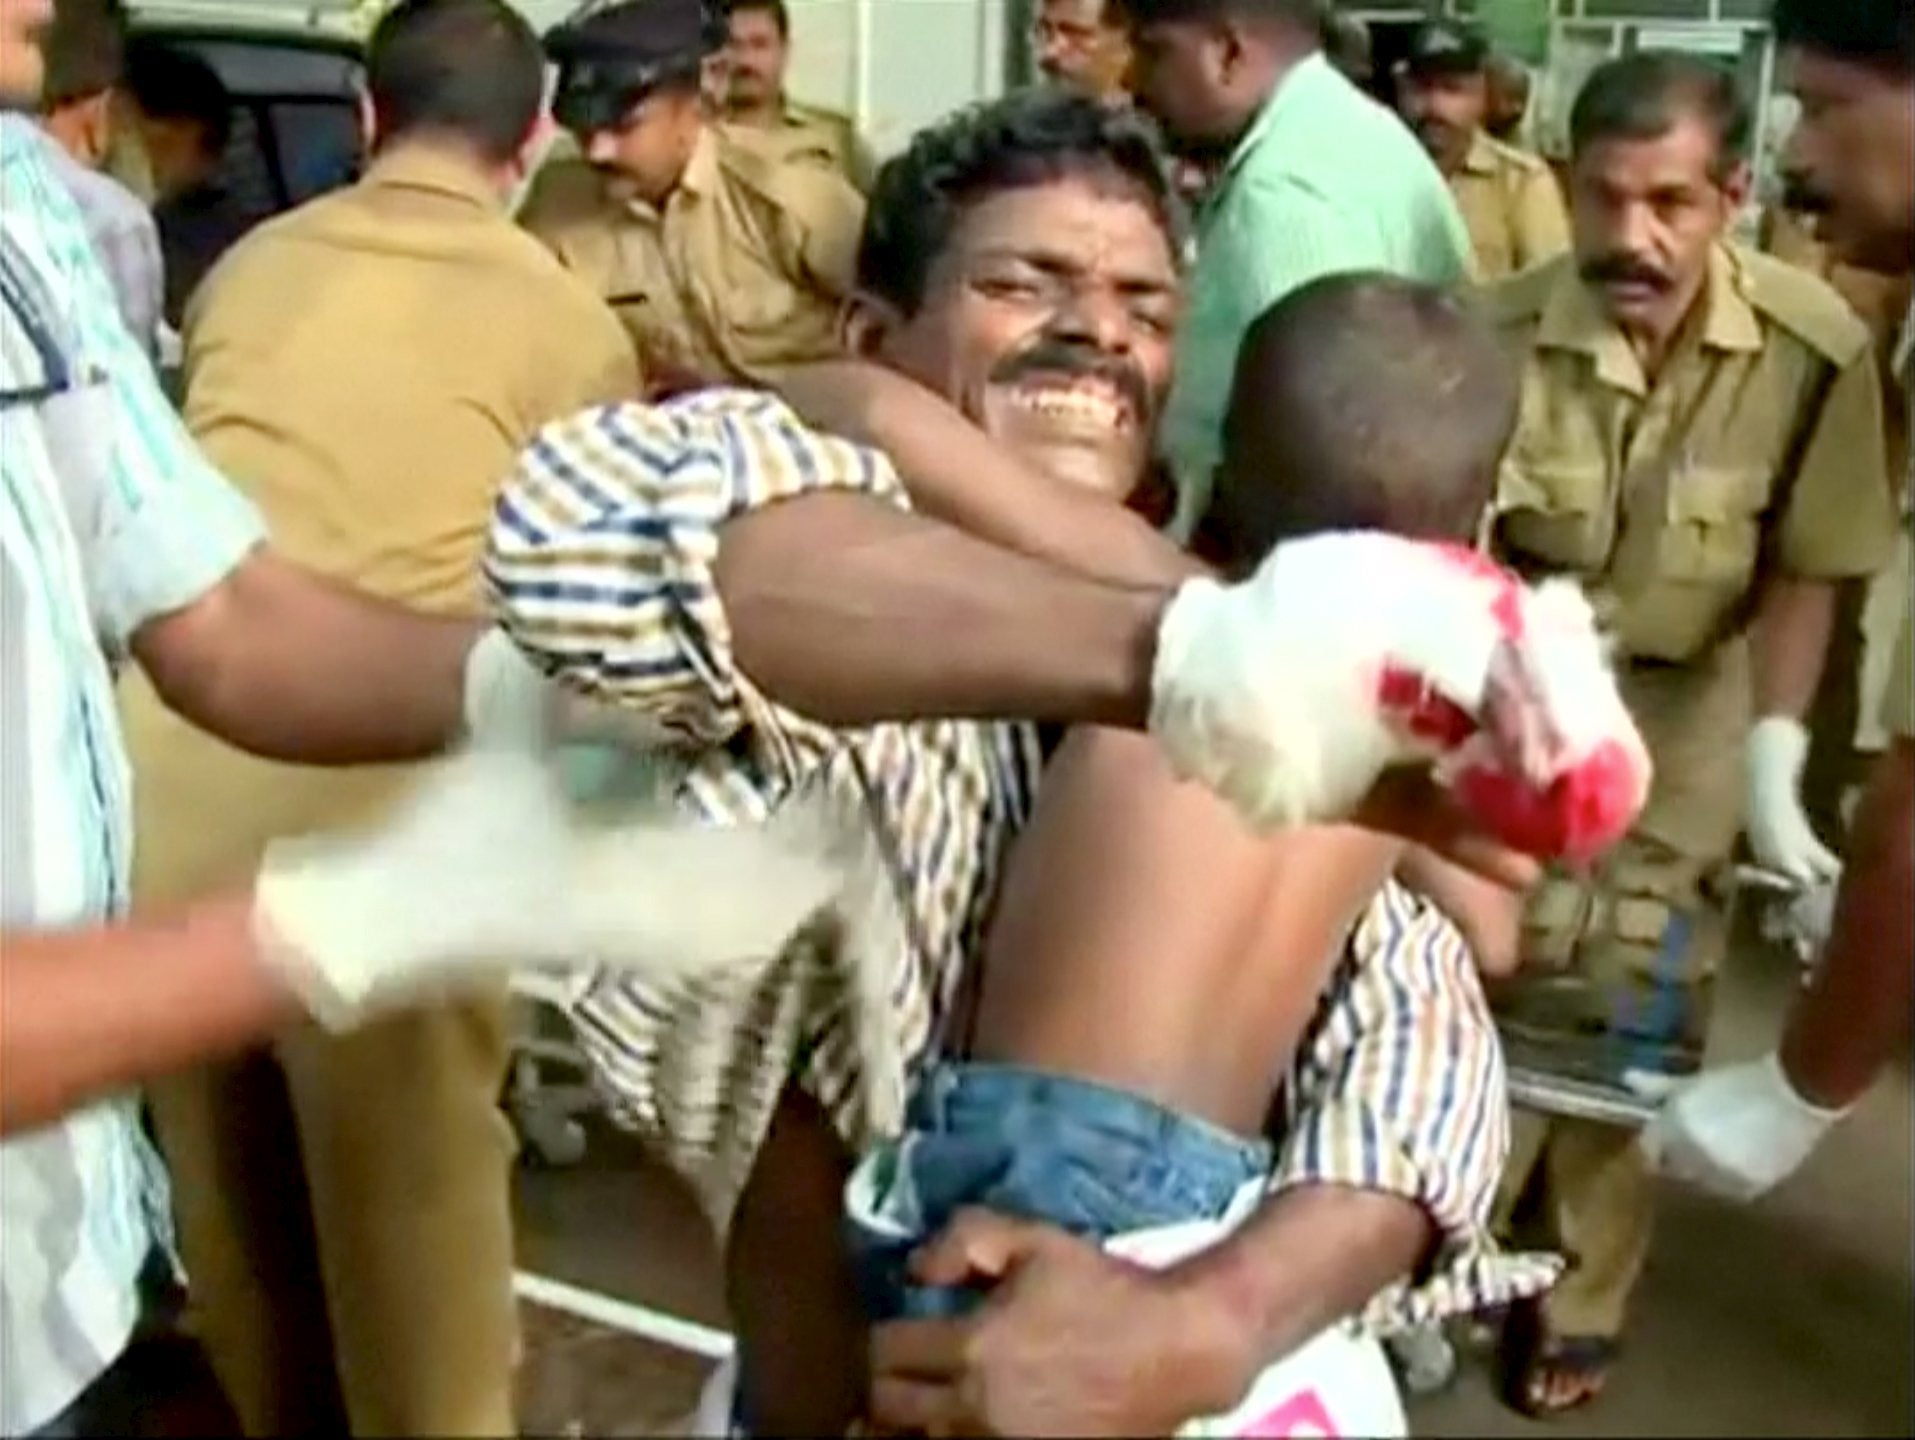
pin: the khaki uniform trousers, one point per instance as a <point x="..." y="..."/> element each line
<point x="1606" y="935"/>
<point x="344" y="1205"/>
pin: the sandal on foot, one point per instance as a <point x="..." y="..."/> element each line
<point x="1545" y="1375"/>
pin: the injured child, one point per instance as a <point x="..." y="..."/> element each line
<point x="1160" y="984"/>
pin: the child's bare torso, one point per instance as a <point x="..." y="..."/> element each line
<point x="1147" y="941"/>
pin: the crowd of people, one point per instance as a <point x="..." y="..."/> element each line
<point x="917" y="533"/>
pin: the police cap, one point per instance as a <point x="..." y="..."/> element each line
<point x="611" y="56"/>
<point x="1446" y="47"/>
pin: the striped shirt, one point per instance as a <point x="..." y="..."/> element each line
<point x="1326" y="182"/>
<point x="601" y="565"/>
<point x="111" y="518"/>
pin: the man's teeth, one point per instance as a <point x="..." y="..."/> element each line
<point x="1097" y="406"/>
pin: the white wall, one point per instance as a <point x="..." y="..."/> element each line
<point x="895" y="65"/>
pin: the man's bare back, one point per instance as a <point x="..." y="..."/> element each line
<point x="1147" y="941"/>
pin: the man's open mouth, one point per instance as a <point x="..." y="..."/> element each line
<point x="1076" y="403"/>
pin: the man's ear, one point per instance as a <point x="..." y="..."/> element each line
<point x="1736" y="187"/>
<point x="536" y="144"/>
<point x="865" y="324"/>
<point x="94" y="127"/>
<point x="368" y="121"/>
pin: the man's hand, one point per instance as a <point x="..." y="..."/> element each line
<point x="1737" y="1132"/>
<point x="1779" y="831"/>
<point x="1070" y="1341"/>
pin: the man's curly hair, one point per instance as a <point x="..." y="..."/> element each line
<point x="1032" y="137"/>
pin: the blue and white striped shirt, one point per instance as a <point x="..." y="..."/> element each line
<point x="111" y="518"/>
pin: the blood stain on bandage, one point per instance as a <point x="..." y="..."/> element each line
<point x="1427" y="715"/>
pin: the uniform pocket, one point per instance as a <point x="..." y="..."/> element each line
<point x="1714" y="524"/>
<point x="1554" y="512"/>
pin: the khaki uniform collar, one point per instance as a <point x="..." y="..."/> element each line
<point x="1904" y="362"/>
<point x="700" y="177"/>
<point x="1481" y="159"/>
<point x="1573" y="320"/>
<point x="417" y="167"/>
<point x="701" y="171"/>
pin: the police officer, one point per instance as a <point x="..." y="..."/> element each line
<point x="1700" y="444"/>
<point x="757" y="40"/>
<point x="725" y="257"/>
<point x="1509" y="198"/>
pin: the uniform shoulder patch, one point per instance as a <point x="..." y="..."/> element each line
<point x="1805" y="305"/>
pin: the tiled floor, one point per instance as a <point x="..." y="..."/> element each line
<point x="1796" y="1317"/>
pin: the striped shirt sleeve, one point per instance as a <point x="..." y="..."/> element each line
<point x="169" y="527"/>
<point x="599" y="561"/>
<point x="1401" y="1089"/>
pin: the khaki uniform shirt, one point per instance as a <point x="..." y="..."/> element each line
<point x="1757" y="449"/>
<point x="742" y="273"/>
<point x="814" y="132"/>
<point x="366" y="369"/>
<point x="1513" y="207"/>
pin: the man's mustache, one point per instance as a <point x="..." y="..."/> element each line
<point x="1623" y="270"/>
<point x="1068" y="361"/>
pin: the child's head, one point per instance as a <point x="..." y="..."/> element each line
<point x="1361" y="402"/>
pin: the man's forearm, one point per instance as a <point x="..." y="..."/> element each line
<point x="1855" y="1014"/>
<point x="1313" y="1255"/>
<point x="1792" y="629"/>
<point x="286" y="664"/>
<point x="853" y="612"/>
<point x="88" y="1012"/>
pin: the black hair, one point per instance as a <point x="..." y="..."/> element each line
<point x="1879" y="33"/>
<point x="1031" y="137"/>
<point x="167" y="82"/>
<point x="84" y="51"/>
<point x="1642" y="96"/>
<point x="780" y="14"/>
<point x="1305" y="14"/>
<point x="1362" y="401"/>
<point x="467" y="69"/>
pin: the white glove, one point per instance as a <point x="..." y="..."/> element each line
<point x="487" y="866"/>
<point x="1737" y="1132"/>
<point x="1779" y="832"/>
<point x="509" y="703"/>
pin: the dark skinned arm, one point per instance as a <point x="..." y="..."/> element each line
<point x="1854" y="1017"/>
<point x="291" y="666"/>
<point x="92" y="1011"/>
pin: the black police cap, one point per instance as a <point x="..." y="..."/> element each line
<point x="610" y="56"/>
<point x="1446" y="47"/>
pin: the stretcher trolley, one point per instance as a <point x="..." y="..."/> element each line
<point x="1610" y="1048"/>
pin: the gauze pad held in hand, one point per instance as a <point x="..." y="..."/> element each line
<point x="1346" y="654"/>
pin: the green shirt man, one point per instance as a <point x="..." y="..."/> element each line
<point x="1324" y="181"/>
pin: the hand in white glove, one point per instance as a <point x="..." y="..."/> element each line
<point x="1779" y="832"/>
<point x="487" y="866"/>
<point x="1737" y="1132"/>
<point x="509" y="703"/>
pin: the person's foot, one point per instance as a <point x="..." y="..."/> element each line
<point x="1545" y="1374"/>
<point x="1425" y="1359"/>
